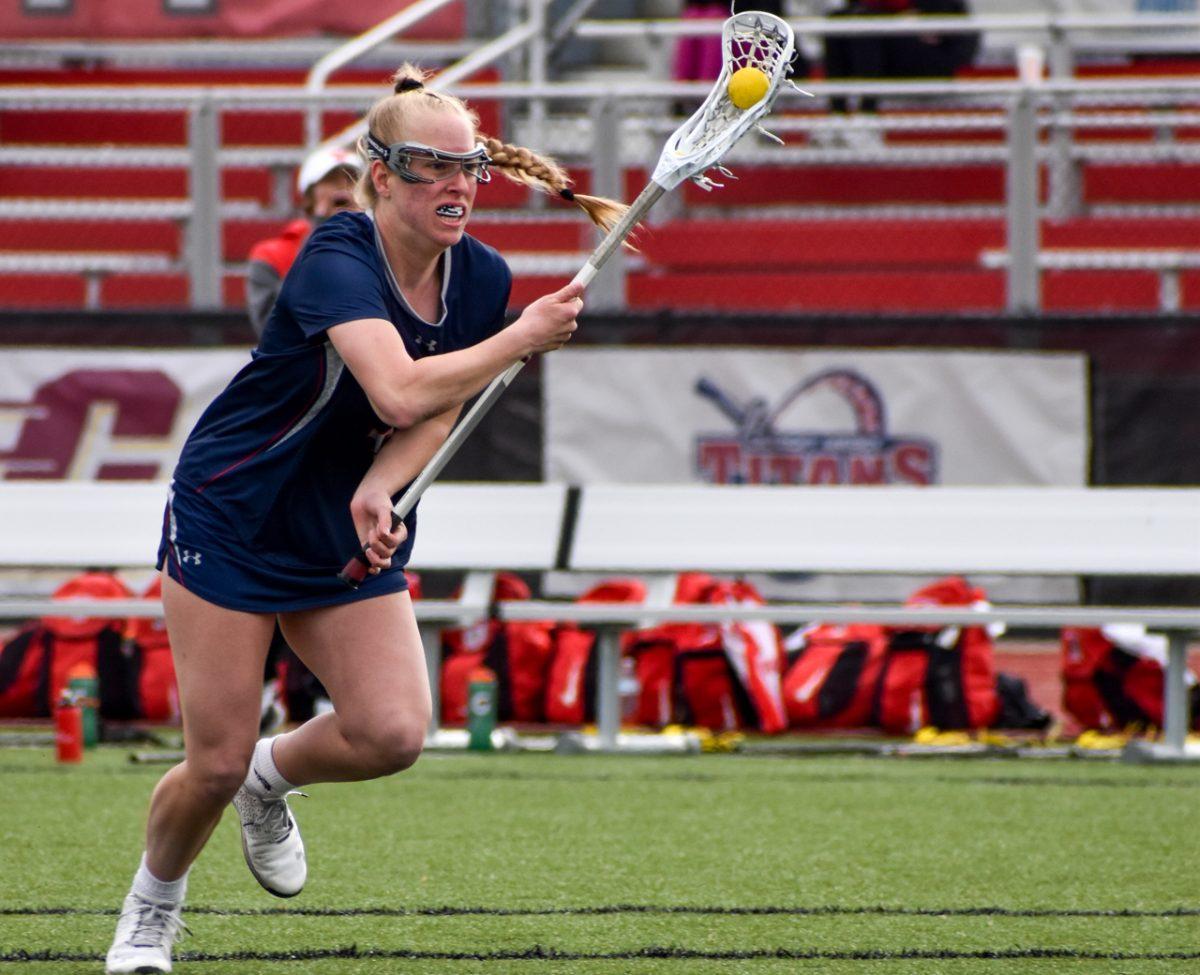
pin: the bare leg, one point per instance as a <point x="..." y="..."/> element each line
<point x="219" y="656"/>
<point x="368" y="655"/>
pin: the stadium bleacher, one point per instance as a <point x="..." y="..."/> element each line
<point x="847" y="230"/>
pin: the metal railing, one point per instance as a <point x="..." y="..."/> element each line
<point x="623" y="129"/>
<point x="356" y="47"/>
<point x="610" y="620"/>
<point x="1062" y="35"/>
<point x="1034" y="122"/>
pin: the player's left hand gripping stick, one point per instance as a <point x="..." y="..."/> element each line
<point x="355" y="571"/>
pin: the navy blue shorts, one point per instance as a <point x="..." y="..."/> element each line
<point x="204" y="556"/>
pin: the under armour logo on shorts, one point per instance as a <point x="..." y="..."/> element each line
<point x="186" y="555"/>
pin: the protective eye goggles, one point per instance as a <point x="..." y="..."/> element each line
<point x="417" y="163"/>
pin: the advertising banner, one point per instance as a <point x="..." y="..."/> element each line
<point x="815" y="416"/>
<point x="83" y="414"/>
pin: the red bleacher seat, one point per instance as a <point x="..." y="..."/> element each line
<point x="41" y="291"/>
<point x="66" y="182"/>
<point x="726" y="259"/>
<point x="820" y="291"/>
<point x="774" y="245"/>
<point x="160" y="236"/>
<point x="856" y="184"/>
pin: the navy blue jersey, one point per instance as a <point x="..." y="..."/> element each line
<point x="277" y="456"/>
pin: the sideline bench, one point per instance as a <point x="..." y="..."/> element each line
<point x="473" y="528"/>
<point x="1070" y="531"/>
<point x="663" y="530"/>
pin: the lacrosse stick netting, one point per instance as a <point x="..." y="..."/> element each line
<point x="748" y="40"/>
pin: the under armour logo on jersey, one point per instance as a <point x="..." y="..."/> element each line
<point x="430" y="344"/>
<point x="186" y="555"/>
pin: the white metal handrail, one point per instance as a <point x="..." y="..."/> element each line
<point x="449" y="76"/>
<point x="283" y="97"/>
<point x="273" y="52"/>
<point x="1052" y="103"/>
<point x="356" y="47"/>
<point x="906" y="24"/>
<point x="49" y="208"/>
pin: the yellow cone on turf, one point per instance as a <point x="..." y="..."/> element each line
<point x="747" y="86"/>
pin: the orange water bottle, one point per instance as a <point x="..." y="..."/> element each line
<point x="68" y="729"/>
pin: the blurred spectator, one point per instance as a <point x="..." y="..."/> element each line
<point x="875" y="56"/>
<point x="699" y="58"/>
<point x="326" y="184"/>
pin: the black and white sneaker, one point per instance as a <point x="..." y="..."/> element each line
<point x="271" y="843"/>
<point x="145" y="933"/>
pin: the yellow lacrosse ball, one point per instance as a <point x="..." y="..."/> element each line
<point x="747" y="86"/>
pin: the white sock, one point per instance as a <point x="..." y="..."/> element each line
<point x="150" y="888"/>
<point x="263" y="779"/>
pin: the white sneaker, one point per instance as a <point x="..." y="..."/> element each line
<point x="145" y="933"/>
<point x="271" y="843"/>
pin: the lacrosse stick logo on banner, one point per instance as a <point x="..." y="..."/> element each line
<point x="757" y="55"/>
<point x="761" y="451"/>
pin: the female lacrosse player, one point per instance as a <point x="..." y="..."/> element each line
<point x="389" y="320"/>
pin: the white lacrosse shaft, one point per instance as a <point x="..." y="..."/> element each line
<point x="355" y="571"/>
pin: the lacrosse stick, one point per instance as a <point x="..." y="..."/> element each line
<point x="749" y="40"/>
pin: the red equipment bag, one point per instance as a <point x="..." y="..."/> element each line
<point x="678" y="673"/>
<point x="832" y="682"/>
<point x="518" y="653"/>
<point x="944" y="678"/>
<point x="710" y="695"/>
<point x="1113" y="677"/>
<point x="755" y="652"/>
<point x="25" y="674"/>
<point x="36" y="664"/>
<point x="571" y="680"/>
<point x="138" y="681"/>
<point x="653" y="652"/>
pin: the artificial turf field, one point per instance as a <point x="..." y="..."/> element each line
<point x="533" y="864"/>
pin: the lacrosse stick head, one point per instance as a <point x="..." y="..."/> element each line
<point x="751" y="39"/>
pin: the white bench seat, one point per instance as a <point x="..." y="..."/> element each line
<point x="1014" y="530"/>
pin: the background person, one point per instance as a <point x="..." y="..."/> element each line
<point x="388" y="322"/>
<point x="869" y="57"/>
<point x="326" y="184"/>
<point x="701" y="58"/>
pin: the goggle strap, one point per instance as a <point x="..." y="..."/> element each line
<point x="377" y="150"/>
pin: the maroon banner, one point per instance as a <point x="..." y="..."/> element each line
<point x="144" y="19"/>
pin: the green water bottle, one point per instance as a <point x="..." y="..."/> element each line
<point x="481" y="709"/>
<point x="83" y="683"/>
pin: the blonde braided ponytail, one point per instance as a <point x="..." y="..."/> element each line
<point x="542" y="173"/>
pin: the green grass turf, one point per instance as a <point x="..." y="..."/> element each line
<point x="864" y="843"/>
